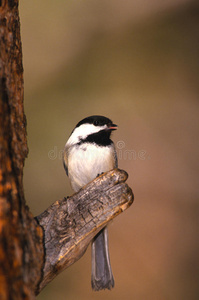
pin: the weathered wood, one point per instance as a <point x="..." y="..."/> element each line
<point x="71" y="223"/>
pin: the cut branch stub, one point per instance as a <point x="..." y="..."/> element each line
<point x="71" y="223"/>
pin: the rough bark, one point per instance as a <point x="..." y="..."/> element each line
<point x="34" y="251"/>
<point x="21" y="251"/>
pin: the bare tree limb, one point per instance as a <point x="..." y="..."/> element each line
<point x="70" y="224"/>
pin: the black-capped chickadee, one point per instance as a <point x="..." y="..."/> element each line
<point x="89" y="152"/>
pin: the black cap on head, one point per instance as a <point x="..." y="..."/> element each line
<point x="98" y="121"/>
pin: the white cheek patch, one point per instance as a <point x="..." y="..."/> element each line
<point x="81" y="132"/>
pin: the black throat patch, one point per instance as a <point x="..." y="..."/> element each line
<point x="101" y="138"/>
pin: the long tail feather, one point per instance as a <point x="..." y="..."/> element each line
<point x="102" y="277"/>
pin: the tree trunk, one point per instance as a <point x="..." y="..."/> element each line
<point x="34" y="251"/>
<point x="21" y="251"/>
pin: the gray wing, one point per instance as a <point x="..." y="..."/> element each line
<point x="115" y="157"/>
<point x="65" y="161"/>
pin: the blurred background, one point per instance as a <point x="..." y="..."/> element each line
<point x="137" y="63"/>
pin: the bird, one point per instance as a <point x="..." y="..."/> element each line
<point x="89" y="152"/>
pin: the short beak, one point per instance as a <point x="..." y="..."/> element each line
<point x="112" y="127"/>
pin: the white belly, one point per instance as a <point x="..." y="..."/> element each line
<point x="85" y="165"/>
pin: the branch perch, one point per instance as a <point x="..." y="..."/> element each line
<point x="71" y="223"/>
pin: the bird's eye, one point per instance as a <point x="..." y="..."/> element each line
<point x="96" y="123"/>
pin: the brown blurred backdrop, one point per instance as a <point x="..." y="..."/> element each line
<point x="135" y="62"/>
